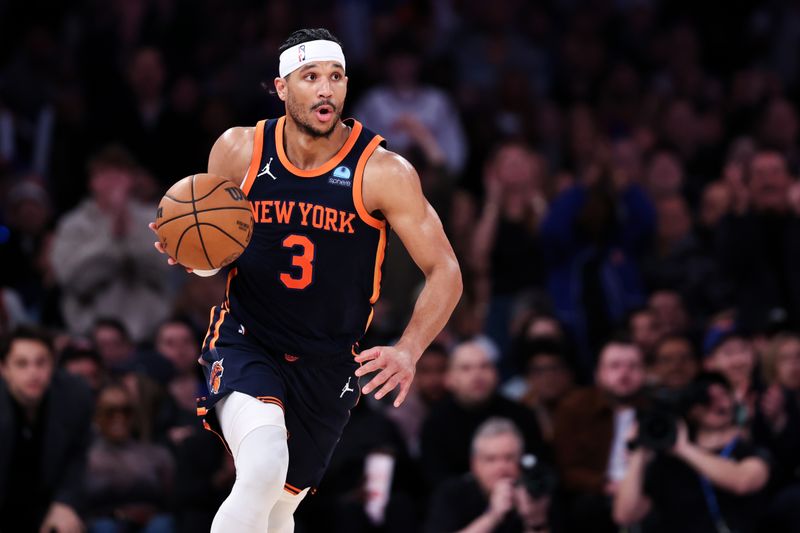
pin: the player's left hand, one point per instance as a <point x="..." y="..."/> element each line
<point x="397" y="367"/>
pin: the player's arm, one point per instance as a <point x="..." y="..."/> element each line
<point x="229" y="158"/>
<point x="391" y="186"/>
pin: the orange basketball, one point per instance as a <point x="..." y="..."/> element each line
<point x="204" y="222"/>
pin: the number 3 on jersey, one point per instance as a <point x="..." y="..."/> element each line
<point x="303" y="259"/>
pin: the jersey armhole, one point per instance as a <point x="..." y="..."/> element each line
<point x="358" y="181"/>
<point x="255" y="159"/>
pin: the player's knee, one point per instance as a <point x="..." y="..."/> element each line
<point x="263" y="458"/>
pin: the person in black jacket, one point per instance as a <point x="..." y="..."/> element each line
<point x="45" y="417"/>
<point x="471" y="380"/>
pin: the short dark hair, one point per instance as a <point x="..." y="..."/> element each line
<point x="113" y="323"/>
<point x="26" y="332"/>
<point x="113" y="156"/>
<point x="307" y="34"/>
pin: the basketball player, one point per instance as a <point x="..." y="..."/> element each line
<point x="281" y="354"/>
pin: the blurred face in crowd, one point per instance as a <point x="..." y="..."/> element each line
<point x="544" y="327"/>
<point x="112" y="345"/>
<point x="176" y="342"/>
<point x="769" y="182"/>
<point x="787" y="364"/>
<point x="645" y="330"/>
<point x="111" y="186"/>
<point x="664" y="175"/>
<point x="114" y="414"/>
<point x="549" y="377"/>
<point x="779" y="125"/>
<point x="735" y="359"/>
<point x="471" y="376"/>
<point x="669" y="312"/>
<point x="86" y="368"/>
<point x="430" y="377"/>
<point x="27" y="370"/>
<point x="674" y="365"/>
<point x="718" y="413"/>
<point x="715" y="204"/>
<point x="147" y="74"/>
<point x="674" y="220"/>
<point x="314" y="96"/>
<point x="494" y="458"/>
<point x="620" y="371"/>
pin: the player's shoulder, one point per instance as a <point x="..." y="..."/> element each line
<point x="384" y="164"/>
<point x="230" y="156"/>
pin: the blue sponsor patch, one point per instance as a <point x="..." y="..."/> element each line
<point x="341" y="176"/>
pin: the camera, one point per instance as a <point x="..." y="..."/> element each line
<point x="537" y="478"/>
<point x="658" y="429"/>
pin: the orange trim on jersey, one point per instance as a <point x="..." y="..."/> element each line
<point x="376" y="280"/>
<point x="208" y="427"/>
<point x="369" y="319"/>
<point x="255" y="159"/>
<point x="216" y="328"/>
<point x="231" y="275"/>
<point x="272" y="400"/>
<point x="202" y="411"/>
<point x="329" y="165"/>
<point x="358" y="179"/>
<point x="208" y="331"/>
<point x="291" y="489"/>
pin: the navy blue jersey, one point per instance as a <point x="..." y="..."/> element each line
<point x="305" y="285"/>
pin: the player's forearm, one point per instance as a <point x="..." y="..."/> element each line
<point x="434" y="306"/>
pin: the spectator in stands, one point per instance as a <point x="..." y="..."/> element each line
<point x="759" y="249"/>
<point x="645" y="330"/>
<point x="84" y="361"/>
<point x="103" y="253"/>
<point x="427" y="390"/>
<point x="472" y="382"/>
<point x="591" y="429"/>
<point x="491" y="497"/>
<point x="127" y="482"/>
<point x="670" y="311"/>
<point x="593" y="236"/>
<point x="710" y="480"/>
<point x="674" y="364"/>
<point x="45" y="417"/>
<point x="732" y="354"/>
<point x="506" y="253"/>
<point x="396" y="107"/>
<point x="549" y="379"/>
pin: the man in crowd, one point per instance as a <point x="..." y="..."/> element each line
<point x="45" y="418"/>
<point x="591" y="433"/>
<point x="472" y="382"/>
<point x="492" y="496"/>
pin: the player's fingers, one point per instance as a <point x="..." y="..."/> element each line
<point x="372" y="366"/>
<point x="158" y="246"/>
<point x="401" y="396"/>
<point x="367" y="355"/>
<point x="377" y="381"/>
<point x="153" y="227"/>
<point x="388" y="387"/>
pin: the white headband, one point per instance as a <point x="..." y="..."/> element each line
<point x="301" y="54"/>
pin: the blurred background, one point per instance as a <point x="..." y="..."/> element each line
<point x="617" y="177"/>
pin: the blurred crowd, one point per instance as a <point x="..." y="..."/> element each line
<point x="618" y="179"/>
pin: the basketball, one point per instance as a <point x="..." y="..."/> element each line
<point x="204" y="222"/>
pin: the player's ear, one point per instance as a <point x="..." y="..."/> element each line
<point x="280" y="88"/>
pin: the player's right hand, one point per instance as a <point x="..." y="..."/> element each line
<point x="161" y="249"/>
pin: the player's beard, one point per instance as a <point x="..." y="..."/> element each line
<point x="295" y="111"/>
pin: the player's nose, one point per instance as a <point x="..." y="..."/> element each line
<point x="324" y="90"/>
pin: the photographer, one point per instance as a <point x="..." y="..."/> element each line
<point x="707" y="479"/>
<point x="497" y="495"/>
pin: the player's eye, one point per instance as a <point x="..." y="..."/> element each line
<point x="336" y="76"/>
<point x="311" y="77"/>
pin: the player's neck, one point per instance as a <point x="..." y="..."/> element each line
<point x="307" y="152"/>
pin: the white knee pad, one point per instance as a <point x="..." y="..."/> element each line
<point x="239" y="414"/>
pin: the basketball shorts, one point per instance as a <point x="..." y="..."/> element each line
<point x="315" y="393"/>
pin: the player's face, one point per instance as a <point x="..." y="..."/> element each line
<point x="27" y="371"/>
<point x="314" y="96"/>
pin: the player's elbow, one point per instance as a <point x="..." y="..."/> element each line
<point x="454" y="274"/>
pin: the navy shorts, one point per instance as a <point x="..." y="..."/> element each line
<point x="316" y="394"/>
